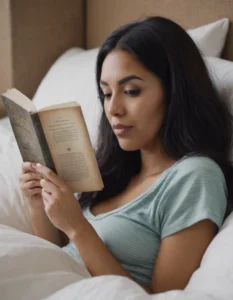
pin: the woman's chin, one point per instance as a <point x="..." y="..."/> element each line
<point x="128" y="146"/>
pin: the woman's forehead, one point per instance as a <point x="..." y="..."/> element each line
<point x="119" y="64"/>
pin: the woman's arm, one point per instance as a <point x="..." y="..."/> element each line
<point x="68" y="217"/>
<point x="43" y="228"/>
<point x="180" y="255"/>
<point x="31" y="190"/>
<point x="97" y="258"/>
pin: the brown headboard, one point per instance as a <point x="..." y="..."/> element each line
<point x="103" y="16"/>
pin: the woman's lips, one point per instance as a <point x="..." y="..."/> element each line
<point x="121" y="129"/>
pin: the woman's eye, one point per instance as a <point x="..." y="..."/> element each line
<point x="107" y="96"/>
<point x="132" y="92"/>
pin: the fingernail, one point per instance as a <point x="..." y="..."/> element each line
<point x="38" y="165"/>
<point x="33" y="165"/>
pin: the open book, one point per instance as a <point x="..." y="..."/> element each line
<point x="57" y="137"/>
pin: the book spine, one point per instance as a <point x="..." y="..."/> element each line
<point x="43" y="142"/>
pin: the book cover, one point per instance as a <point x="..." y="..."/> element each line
<point x="28" y="134"/>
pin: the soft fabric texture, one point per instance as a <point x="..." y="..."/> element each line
<point x="215" y="275"/>
<point x="13" y="208"/>
<point x="32" y="268"/>
<point x="210" y="38"/>
<point x="221" y="72"/>
<point x="193" y="189"/>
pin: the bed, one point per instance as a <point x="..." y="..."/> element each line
<point x="52" y="60"/>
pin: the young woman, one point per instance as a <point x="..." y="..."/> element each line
<point x="163" y="152"/>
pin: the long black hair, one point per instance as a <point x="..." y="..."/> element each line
<point x="196" y="120"/>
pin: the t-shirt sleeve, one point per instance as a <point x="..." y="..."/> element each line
<point x="196" y="191"/>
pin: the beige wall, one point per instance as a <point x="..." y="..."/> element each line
<point x="103" y="16"/>
<point x="38" y="32"/>
<point x="5" y="48"/>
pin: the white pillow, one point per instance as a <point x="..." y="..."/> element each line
<point x="215" y="276"/>
<point x="210" y="38"/>
<point x="72" y="78"/>
<point x="221" y="72"/>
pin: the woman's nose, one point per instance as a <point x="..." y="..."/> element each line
<point x="115" y="106"/>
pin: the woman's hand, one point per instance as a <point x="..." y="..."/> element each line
<point x="30" y="186"/>
<point x="61" y="207"/>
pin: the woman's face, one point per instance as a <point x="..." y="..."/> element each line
<point x="133" y="101"/>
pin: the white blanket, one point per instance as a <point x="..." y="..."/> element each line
<point x="32" y="268"/>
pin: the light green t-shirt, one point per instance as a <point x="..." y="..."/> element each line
<point x="193" y="189"/>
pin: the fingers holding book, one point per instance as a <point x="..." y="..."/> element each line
<point x="60" y="204"/>
<point x="31" y="187"/>
<point x="49" y="175"/>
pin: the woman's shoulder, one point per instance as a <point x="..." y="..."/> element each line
<point x="195" y="190"/>
<point x="197" y="166"/>
<point x="195" y="170"/>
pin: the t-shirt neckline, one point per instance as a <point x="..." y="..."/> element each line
<point x="122" y="207"/>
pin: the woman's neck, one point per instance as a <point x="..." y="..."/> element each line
<point x="154" y="161"/>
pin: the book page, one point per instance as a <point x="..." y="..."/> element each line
<point x="55" y="106"/>
<point x="69" y="143"/>
<point x="20" y="99"/>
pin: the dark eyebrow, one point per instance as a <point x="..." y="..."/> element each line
<point x="123" y="80"/>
